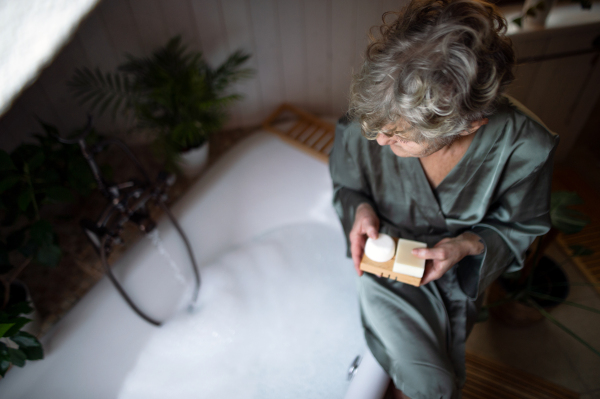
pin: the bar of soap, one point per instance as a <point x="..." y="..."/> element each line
<point x="380" y="249"/>
<point x="406" y="262"/>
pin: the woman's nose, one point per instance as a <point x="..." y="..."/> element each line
<point x="382" y="139"/>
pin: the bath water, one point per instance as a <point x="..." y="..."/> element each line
<point x="277" y="317"/>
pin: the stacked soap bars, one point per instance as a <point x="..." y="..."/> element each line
<point x="404" y="267"/>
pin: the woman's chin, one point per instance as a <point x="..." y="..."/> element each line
<point x="401" y="152"/>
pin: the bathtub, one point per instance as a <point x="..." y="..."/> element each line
<point x="277" y="315"/>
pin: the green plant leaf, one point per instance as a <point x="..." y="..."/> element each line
<point x="483" y="315"/>
<point x="568" y="221"/>
<point x="24" y="199"/>
<point x="41" y="232"/>
<point x="563" y="301"/>
<point x="580" y="250"/>
<point x="5" y="162"/>
<point x="518" y="21"/>
<point x="19" y="322"/>
<point x="29" y="345"/>
<point x="17" y="357"/>
<point x="59" y="194"/>
<point x="29" y="249"/>
<point x="50" y="130"/>
<point x="564" y="198"/>
<point x="49" y="255"/>
<point x="36" y="161"/>
<point x="9" y="182"/>
<point x="4" y="327"/>
<point x="531" y="11"/>
<point x="19" y="308"/>
<point x="4" y="365"/>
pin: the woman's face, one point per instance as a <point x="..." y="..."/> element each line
<point x="404" y="147"/>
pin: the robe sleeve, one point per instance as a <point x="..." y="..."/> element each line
<point x="350" y="188"/>
<point x="518" y="215"/>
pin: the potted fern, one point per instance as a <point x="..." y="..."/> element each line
<point x="525" y="297"/>
<point x="173" y="94"/>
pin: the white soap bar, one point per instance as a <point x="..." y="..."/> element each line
<point x="406" y="263"/>
<point x="381" y="249"/>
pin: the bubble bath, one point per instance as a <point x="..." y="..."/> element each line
<point x="275" y="319"/>
<point x="277" y="315"/>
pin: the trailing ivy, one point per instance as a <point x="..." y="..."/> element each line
<point x="31" y="177"/>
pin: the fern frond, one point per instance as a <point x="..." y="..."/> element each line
<point x="102" y="91"/>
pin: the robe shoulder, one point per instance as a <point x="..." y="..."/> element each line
<point x="518" y="141"/>
<point x="523" y="140"/>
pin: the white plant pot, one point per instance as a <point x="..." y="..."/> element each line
<point x="538" y="21"/>
<point x="194" y="161"/>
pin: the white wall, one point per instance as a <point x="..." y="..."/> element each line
<point x="302" y="50"/>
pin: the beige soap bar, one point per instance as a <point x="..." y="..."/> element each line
<point x="406" y="262"/>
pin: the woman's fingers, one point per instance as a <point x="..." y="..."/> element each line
<point x="431" y="253"/>
<point x="357" y="247"/>
<point x="371" y="231"/>
<point x="366" y="224"/>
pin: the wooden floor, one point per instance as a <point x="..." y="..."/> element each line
<point x="569" y="180"/>
<point x="490" y="380"/>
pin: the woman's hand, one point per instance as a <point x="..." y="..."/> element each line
<point x="447" y="253"/>
<point x="366" y="224"/>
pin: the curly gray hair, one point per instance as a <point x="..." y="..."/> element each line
<point x="438" y="66"/>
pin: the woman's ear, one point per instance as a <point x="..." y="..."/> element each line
<point x="475" y="125"/>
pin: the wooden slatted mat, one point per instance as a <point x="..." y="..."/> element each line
<point x="490" y="380"/>
<point x="302" y="129"/>
<point x="565" y="179"/>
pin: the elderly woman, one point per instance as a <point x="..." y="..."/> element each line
<point x="449" y="161"/>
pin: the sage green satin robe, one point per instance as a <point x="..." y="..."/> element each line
<point x="499" y="190"/>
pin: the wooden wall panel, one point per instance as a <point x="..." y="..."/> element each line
<point x="97" y="46"/>
<point x="293" y="51"/>
<point x="121" y="28"/>
<point x="369" y="14"/>
<point x="318" y="55"/>
<point x="343" y="23"/>
<point x="53" y="80"/>
<point x="17" y="126"/>
<point x="179" y="19"/>
<point x="525" y="73"/>
<point x="303" y="52"/>
<point x="149" y="22"/>
<point x="237" y="29"/>
<point x="267" y="41"/>
<point x="37" y="102"/>
<point x="210" y="26"/>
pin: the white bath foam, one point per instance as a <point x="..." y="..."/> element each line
<point x="277" y="318"/>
